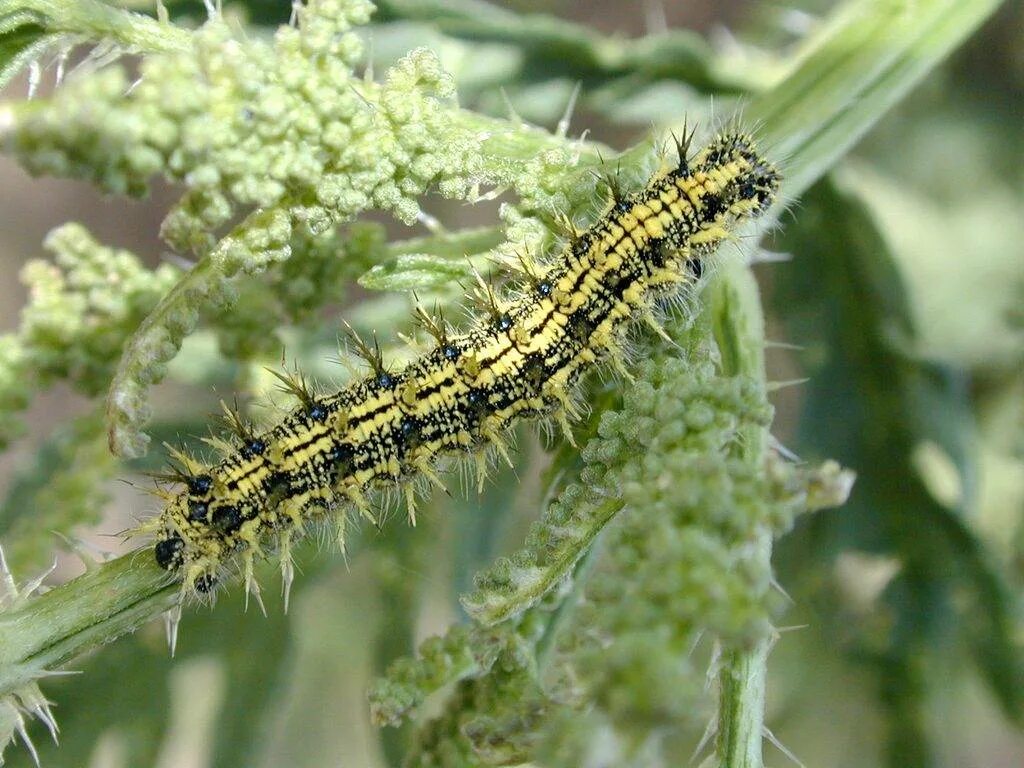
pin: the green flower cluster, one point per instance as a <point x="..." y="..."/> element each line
<point x="251" y="124"/>
<point x="673" y="415"/>
<point x="496" y="703"/>
<point x="494" y="719"/>
<point x="683" y="558"/>
<point x="81" y="309"/>
<point x="292" y="292"/>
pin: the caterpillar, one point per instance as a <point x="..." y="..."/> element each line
<point x="520" y="360"/>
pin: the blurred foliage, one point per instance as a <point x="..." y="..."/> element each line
<point x="902" y="294"/>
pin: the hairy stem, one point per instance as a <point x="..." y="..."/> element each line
<point x="738" y="324"/>
<point x="108" y="601"/>
<point x="96" y="21"/>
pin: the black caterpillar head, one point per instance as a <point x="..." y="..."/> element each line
<point x="753" y="182"/>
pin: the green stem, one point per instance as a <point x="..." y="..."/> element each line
<point x="96" y="21"/>
<point x="738" y="325"/>
<point x="44" y="632"/>
<point x="741" y="690"/>
<point x="869" y="57"/>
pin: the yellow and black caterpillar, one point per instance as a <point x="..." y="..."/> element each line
<point x="521" y="360"/>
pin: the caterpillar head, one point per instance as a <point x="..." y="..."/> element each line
<point x="743" y="184"/>
<point x="172" y="551"/>
<point x="726" y="183"/>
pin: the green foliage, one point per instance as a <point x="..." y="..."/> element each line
<point x="81" y="309"/>
<point x="66" y="487"/>
<point x="615" y="642"/>
<point x="617" y="599"/>
<point x="892" y="403"/>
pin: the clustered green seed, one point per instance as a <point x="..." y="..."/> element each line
<point x="291" y="293"/>
<point x="679" y="560"/>
<point x="245" y="123"/>
<point x="81" y="308"/>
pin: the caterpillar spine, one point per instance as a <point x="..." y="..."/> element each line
<point x="521" y="360"/>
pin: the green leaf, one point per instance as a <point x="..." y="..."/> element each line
<point x="433" y="262"/>
<point x="21" y="42"/>
<point x="870" y="54"/>
<point x="557" y="48"/>
<point x="869" y="403"/>
<point x="411" y="271"/>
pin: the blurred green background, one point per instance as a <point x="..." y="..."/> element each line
<point x="901" y="301"/>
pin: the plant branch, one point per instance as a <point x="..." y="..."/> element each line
<point x="46" y="631"/>
<point x="738" y="325"/>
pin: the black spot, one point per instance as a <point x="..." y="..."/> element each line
<point x="580" y="327"/>
<point x="450" y="352"/>
<point x="341" y="458"/>
<point x="276" y="481"/>
<point x="655" y="256"/>
<point x="476" y="399"/>
<point x="204" y="584"/>
<point x="411" y="431"/>
<point x="764" y="199"/>
<point x="747" y="190"/>
<point x="615" y="281"/>
<point x="385" y="380"/>
<point x="197" y="510"/>
<point x="200" y="485"/>
<point x="544" y="288"/>
<point x="712" y="206"/>
<point x="168" y="553"/>
<point x="504" y="323"/>
<point x="276" y="488"/>
<point x="226" y="519"/>
<point x="534" y="372"/>
<point x="317" y="412"/>
<point x="254" y="447"/>
<point x="696" y="268"/>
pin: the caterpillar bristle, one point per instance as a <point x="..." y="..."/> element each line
<point x="235" y="423"/>
<point x="223" y="447"/>
<point x="566" y="227"/>
<point x="294" y="383"/>
<point x="612" y="183"/>
<point x="433" y="325"/>
<point x="683" y="143"/>
<point x="485" y="299"/>
<point x="181" y="465"/>
<point x="371" y="355"/>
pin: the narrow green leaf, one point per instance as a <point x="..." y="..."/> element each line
<point x="20" y="44"/>
<point x="868" y="57"/>
<point x="845" y="303"/>
<point x="411" y="271"/>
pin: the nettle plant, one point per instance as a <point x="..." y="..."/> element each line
<point x="641" y="609"/>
